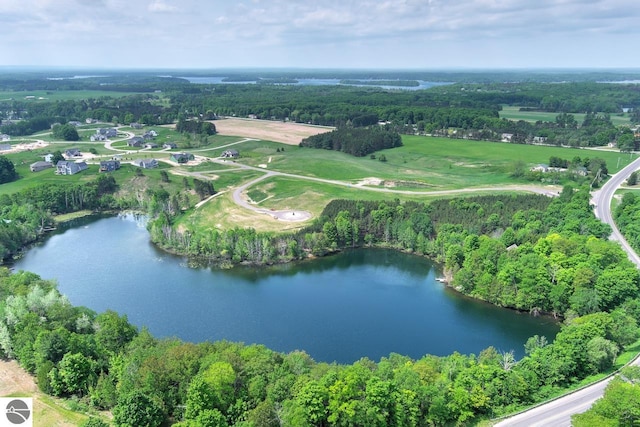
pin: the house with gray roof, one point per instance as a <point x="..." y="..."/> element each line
<point x="146" y="163"/>
<point x="40" y="166"/>
<point x="230" y="154"/>
<point x="181" y="157"/>
<point x="65" y="167"/>
<point x="109" y="165"/>
<point x="136" y="141"/>
<point x="72" y="152"/>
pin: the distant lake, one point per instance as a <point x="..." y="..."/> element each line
<point x="316" y="82"/>
<point x="340" y="308"/>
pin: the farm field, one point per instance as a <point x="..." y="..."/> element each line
<point x="514" y="113"/>
<point x="284" y="132"/>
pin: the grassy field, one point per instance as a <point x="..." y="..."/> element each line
<point x="514" y="113"/>
<point x="46" y="96"/>
<point x="423" y="163"/>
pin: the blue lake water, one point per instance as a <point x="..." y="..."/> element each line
<point x="316" y="82"/>
<point x="359" y="303"/>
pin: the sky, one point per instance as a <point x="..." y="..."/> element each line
<point x="366" y="34"/>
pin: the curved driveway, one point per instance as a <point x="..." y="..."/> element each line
<point x="557" y="413"/>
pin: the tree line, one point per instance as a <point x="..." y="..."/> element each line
<point x="358" y="142"/>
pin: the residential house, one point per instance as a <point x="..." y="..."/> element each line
<point x="146" y="163"/>
<point x="506" y="137"/>
<point x="40" y="166"/>
<point x="97" y="137"/>
<point x="539" y="139"/>
<point x="108" y="132"/>
<point x="64" y="167"/>
<point x="170" y="145"/>
<point x="75" y="123"/>
<point x="540" y="168"/>
<point x="136" y="125"/>
<point x="136" y="141"/>
<point x="151" y="145"/>
<point x="580" y="171"/>
<point x="230" y="154"/>
<point x="48" y="158"/>
<point x="72" y="152"/>
<point x="150" y="134"/>
<point x="5" y="147"/>
<point x="181" y="157"/>
<point x="5" y="137"/>
<point x="109" y="165"/>
<point x="91" y="121"/>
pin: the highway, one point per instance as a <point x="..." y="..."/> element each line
<point x="557" y="413"/>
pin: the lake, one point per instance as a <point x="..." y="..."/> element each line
<point x="366" y="302"/>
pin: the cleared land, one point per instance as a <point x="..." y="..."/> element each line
<point x="284" y="132"/>
<point x="514" y="113"/>
<point x="15" y="382"/>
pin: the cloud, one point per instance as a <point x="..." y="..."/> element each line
<point x="161" y="7"/>
<point x="340" y="31"/>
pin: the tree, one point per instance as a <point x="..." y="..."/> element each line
<point x="7" y="170"/>
<point x="633" y="178"/>
<point x="66" y="132"/>
<point x="57" y="156"/>
<point x="138" y="408"/>
<point x="113" y="331"/>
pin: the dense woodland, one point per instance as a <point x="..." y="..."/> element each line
<point x="358" y="142"/>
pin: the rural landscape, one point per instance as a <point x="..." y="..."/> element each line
<point x="263" y="175"/>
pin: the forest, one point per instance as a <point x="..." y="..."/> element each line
<point x="358" y="142"/>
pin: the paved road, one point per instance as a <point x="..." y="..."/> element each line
<point x="558" y="413"/>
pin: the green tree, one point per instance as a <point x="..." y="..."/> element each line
<point x="138" y="408"/>
<point x="633" y="178"/>
<point x="7" y="170"/>
<point x="66" y="132"/>
<point x="113" y="331"/>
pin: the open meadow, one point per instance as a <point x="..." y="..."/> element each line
<point x="514" y="113"/>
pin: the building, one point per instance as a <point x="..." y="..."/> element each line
<point x="146" y="163"/>
<point x="40" y="166"/>
<point x="72" y="152"/>
<point x="5" y="147"/>
<point x="97" y="137"/>
<point x="5" y="137"/>
<point x="181" y="157"/>
<point x="48" y="158"/>
<point x="136" y="125"/>
<point x="230" y="154"/>
<point x="136" y="141"/>
<point x="170" y="145"/>
<point x="109" y="165"/>
<point x="64" y="167"/>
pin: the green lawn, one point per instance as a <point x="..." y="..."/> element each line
<point x="514" y="113"/>
<point x="59" y="95"/>
<point x="423" y="163"/>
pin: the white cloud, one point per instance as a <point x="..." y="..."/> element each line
<point x="338" y="32"/>
<point x="162" y="7"/>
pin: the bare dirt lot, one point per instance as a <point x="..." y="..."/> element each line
<point x="285" y="132"/>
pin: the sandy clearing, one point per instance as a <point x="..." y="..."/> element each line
<point x="14" y="379"/>
<point x="284" y="132"/>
